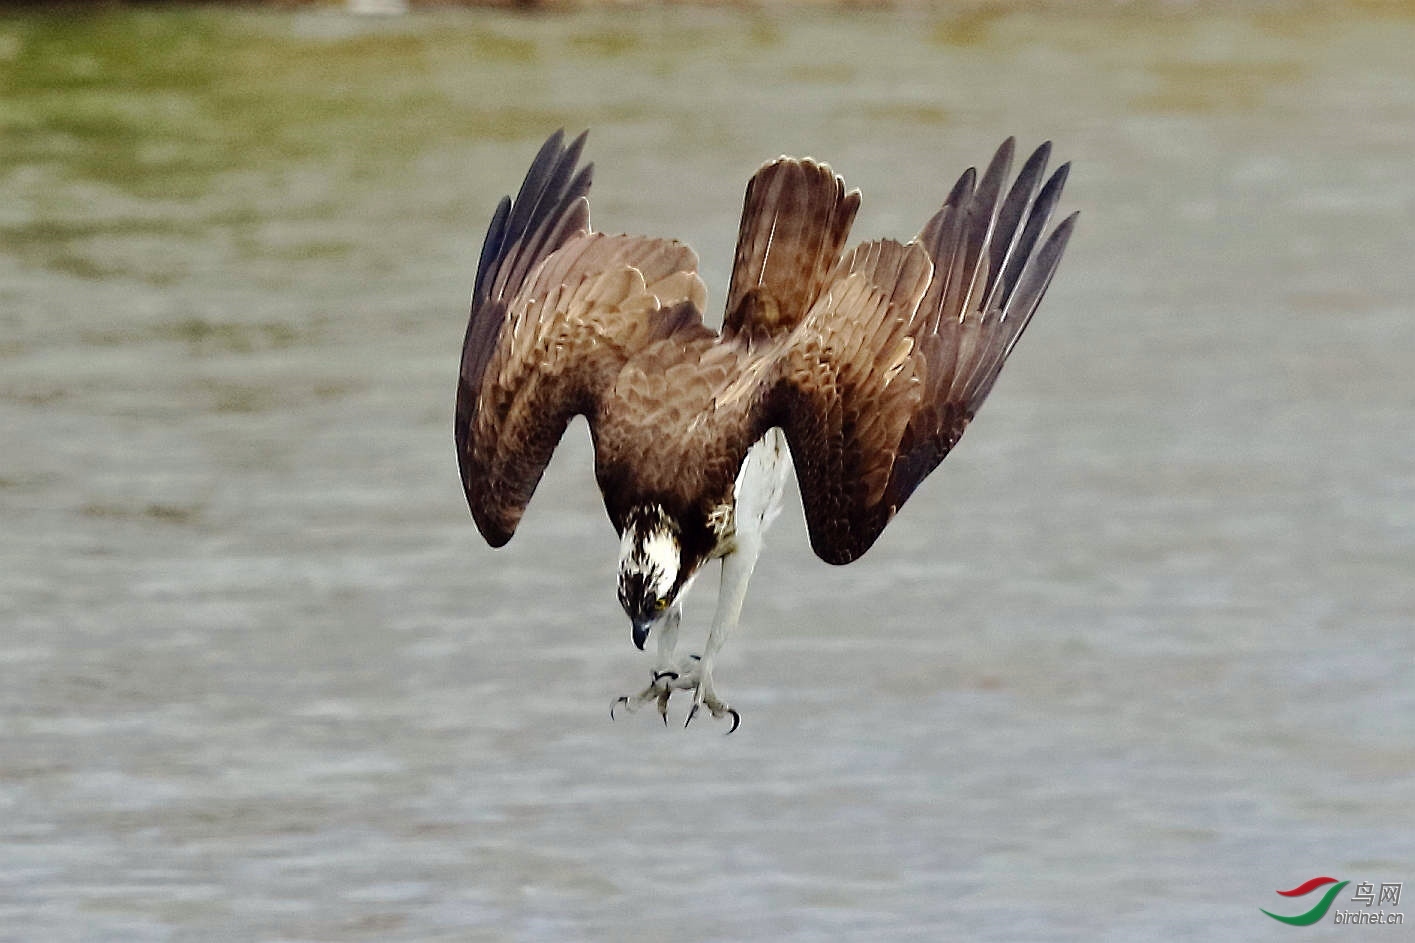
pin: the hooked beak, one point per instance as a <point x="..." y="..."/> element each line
<point x="641" y="632"/>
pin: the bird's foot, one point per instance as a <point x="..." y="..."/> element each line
<point x="661" y="686"/>
<point x="705" y="696"/>
<point x="687" y="676"/>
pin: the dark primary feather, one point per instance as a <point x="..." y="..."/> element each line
<point x="523" y="232"/>
<point x="550" y="207"/>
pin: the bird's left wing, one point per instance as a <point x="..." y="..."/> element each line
<point x="878" y="382"/>
<point x="557" y="311"/>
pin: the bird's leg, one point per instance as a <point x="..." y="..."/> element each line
<point x="668" y="643"/>
<point x="666" y="675"/>
<point x="737" y="569"/>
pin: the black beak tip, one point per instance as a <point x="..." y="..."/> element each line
<point x="641" y="634"/>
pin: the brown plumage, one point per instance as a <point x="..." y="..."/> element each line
<point x="871" y="361"/>
<point x="795" y="220"/>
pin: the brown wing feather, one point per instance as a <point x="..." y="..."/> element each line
<point x="972" y="317"/>
<point x="796" y="217"/>
<point x="847" y="390"/>
<point x="589" y="308"/>
<point x="550" y="208"/>
<point x="556" y="312"/>
<point x="878" y="383"/>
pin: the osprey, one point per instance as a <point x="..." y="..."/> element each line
<point x="864" y="366"/>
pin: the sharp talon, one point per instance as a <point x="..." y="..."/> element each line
<point x="691" y="714"/>
<point x="664" y="715"/>
<point x="736" y="719"/>
<point x="612" y="707"/>
<point x="660" y="675"/>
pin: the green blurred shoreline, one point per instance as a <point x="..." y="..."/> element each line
<point x="958" y="7"/>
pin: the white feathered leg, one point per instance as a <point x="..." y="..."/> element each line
<point x="668" y="640"/>
<point x="737" y="570"/>
<point x="757" y="495"/>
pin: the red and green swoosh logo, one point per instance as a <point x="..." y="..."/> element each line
<point x="1317" y="912"/>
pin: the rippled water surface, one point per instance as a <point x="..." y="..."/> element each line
<point x="1137" y="655"/>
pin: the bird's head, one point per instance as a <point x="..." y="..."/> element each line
<point x="650" y="558"/>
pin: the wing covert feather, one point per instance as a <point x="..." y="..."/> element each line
<point x="848" y="388"/>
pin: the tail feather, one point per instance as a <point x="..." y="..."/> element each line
<point x="795" y="220"/>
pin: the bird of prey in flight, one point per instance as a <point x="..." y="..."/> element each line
<point x="864" y="366"/>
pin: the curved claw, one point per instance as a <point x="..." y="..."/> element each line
<point x="660" y="675"/>
<point x="736" y="718"/>
<point x="624" y="699"/>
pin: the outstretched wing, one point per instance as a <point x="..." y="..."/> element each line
<point x="556" y="312"/>
<point x="879" y="381"/>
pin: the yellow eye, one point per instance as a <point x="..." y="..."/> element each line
<point x="660" y="604"/>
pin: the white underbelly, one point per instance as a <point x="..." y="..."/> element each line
<point x="760" y="485"/>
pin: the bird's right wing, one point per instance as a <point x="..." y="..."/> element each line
<point x="556" y="312"/>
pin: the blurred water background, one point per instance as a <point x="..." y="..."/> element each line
<point x="1137" y="655"/>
